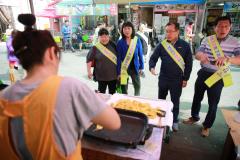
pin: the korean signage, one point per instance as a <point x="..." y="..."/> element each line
<point x="113" y="9"/>
<point x="84" y="10"/>
<point x="181" y="20"/>
<point x="231" y="7"/>
<point x="167" y="7"/>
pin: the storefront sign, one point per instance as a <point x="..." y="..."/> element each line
<point x="157" y="20"/>
<point x="181" y="21"/>
<point x="113" y="9"/>
<point x="83" y="10"/>
<point x="165" y="20"/>
<point x="167" y="7"/>
<point x="231" y="7"/>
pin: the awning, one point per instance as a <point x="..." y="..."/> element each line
<point x="221" y="1"/>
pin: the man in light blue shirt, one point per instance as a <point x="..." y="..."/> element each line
<point x="66" y="32"/>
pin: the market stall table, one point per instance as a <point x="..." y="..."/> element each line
<point x="94" y="149"/>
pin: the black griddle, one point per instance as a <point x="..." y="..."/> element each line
<point x="134" y="130"/>
<point x="2" y="86"/>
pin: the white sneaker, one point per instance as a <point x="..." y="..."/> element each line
<point x="175" y="127"/>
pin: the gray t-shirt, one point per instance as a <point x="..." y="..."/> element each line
<point x="75" y="107"/>
<point x="105" y="69"/>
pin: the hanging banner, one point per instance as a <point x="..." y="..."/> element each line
<point x="113" y="9"/>
<point x="157" y="20"/>
<point x="165" y="20"/>
<point x="231" y="7"/>
<point x="181" y="20"/>
<point x="85" y="10"/>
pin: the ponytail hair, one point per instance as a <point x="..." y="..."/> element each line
<point x="28" y="20"/>
<point x="31" y="44"/>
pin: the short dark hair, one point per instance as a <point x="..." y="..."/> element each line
<point x="223" y="18"/>
<point x="31" y="44"/>
<point x="103" y="31"/>
<point x="173" y="23"/>
<point x="128" y="24"/>
<point x="66" y="21"/>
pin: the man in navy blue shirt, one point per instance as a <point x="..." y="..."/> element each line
<point x="176" y="67"/>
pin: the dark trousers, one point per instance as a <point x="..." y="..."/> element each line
<point x="175" y="88"/>
<point x="67" y="43"/>
<point x="136" y="83"/>
<point x="213" y="94"/>
<point x="102" y="86"/>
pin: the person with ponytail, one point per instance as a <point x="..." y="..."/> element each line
<point x="44" y="115"/>
<point x="12" y="59"/>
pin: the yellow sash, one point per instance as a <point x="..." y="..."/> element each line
<point x="127" y="60"/>
<point x="106" y="52"/>
<point x="224" y="71"/>
<point x="173" y="53"/>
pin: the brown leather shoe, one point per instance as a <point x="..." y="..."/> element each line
<point x="190" y="121"/>
<point x="205" y="132"/>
